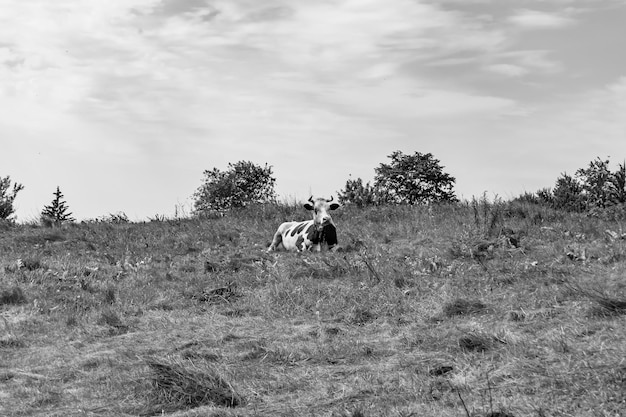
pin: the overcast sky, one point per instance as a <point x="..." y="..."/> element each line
<point x="124" y="103"/>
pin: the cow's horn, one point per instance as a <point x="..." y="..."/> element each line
<point x="331" y="199"/>
<point x="311" y="199"/>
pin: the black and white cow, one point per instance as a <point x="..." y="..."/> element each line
<point x="310" y="234"/>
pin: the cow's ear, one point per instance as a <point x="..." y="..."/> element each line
<point x="308" y="206"/>
<point x="333" y="206"/>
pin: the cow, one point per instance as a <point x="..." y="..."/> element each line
<point x="309" y="234"/>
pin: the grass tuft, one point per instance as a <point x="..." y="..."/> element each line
<point x="109" y="295"/>
<point x="604" y="306"/>
<point x="14" y="295"/>
<point x="223" y="294"/>
<point x="462" y="307"/>
<point x="607" y="306"/>
<point x="182" y="385"/>
<point x="475" y="342"/>
<point x="31" y="264"/>
<point x="11" y="341"/>
<point x="110" y="318"/>
<point x="361" y="316"/>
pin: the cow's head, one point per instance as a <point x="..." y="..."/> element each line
<point x="321" y="208"/>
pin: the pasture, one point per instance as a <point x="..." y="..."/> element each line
<point x="468" y="310"/>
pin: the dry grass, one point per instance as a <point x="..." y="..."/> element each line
<point x="604" y="305"/>
<point x="475" y="310"/>
<point x="182" y="384"/>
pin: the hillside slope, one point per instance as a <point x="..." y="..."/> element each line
<point x="442" y="311"/>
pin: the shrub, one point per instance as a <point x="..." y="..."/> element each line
<point x="114" y="218"/>
<point x="358" y="194"/>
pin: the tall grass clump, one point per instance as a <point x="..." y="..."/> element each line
<point x="177" y="384"/>
<point x="13" y="295"/>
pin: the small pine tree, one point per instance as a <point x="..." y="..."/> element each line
<point x="57" y="211"/>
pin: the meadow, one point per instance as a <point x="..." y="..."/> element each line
<point x="475" y="309"/>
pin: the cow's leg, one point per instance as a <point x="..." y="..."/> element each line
<point x="277" y="240"/>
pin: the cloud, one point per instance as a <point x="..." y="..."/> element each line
<point x="149" y="84"/>
<point x="509" y="70"/>
<point x="167" y="64"/>
<point x="535" y="19"/>
<point x="181" y="67"/>
<point x="523" y="63"/>
<point x="600" y="114"/>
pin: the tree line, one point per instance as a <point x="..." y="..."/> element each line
<point x="407" y="179"/>
<point x="591" y="189"/>
<point x="417" y="178"/>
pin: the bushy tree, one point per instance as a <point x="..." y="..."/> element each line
<point x="602" y="187"/>
<point x="358" y="194"/>
<point x="7" y="196"/>
<point x="57" y="211"/>
<point x="568" y="194"/>
<point x="414" y="179"/>
<point x="241" y="184"/>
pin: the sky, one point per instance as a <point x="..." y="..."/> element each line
<point x="124" y="104"/>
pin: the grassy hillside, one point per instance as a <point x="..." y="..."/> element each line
<point x="476" y="310"/>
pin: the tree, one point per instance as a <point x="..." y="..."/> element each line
<point x="603" y="187"/>
<point x="619" y="179"/>
<point x="241" y="184"/>
<point x="56" y="212"/>
<point x="568" y="194"/>
<point x="414" y="179"/>
<point x="358" y="194"/>
<point x="7" y="196"/>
